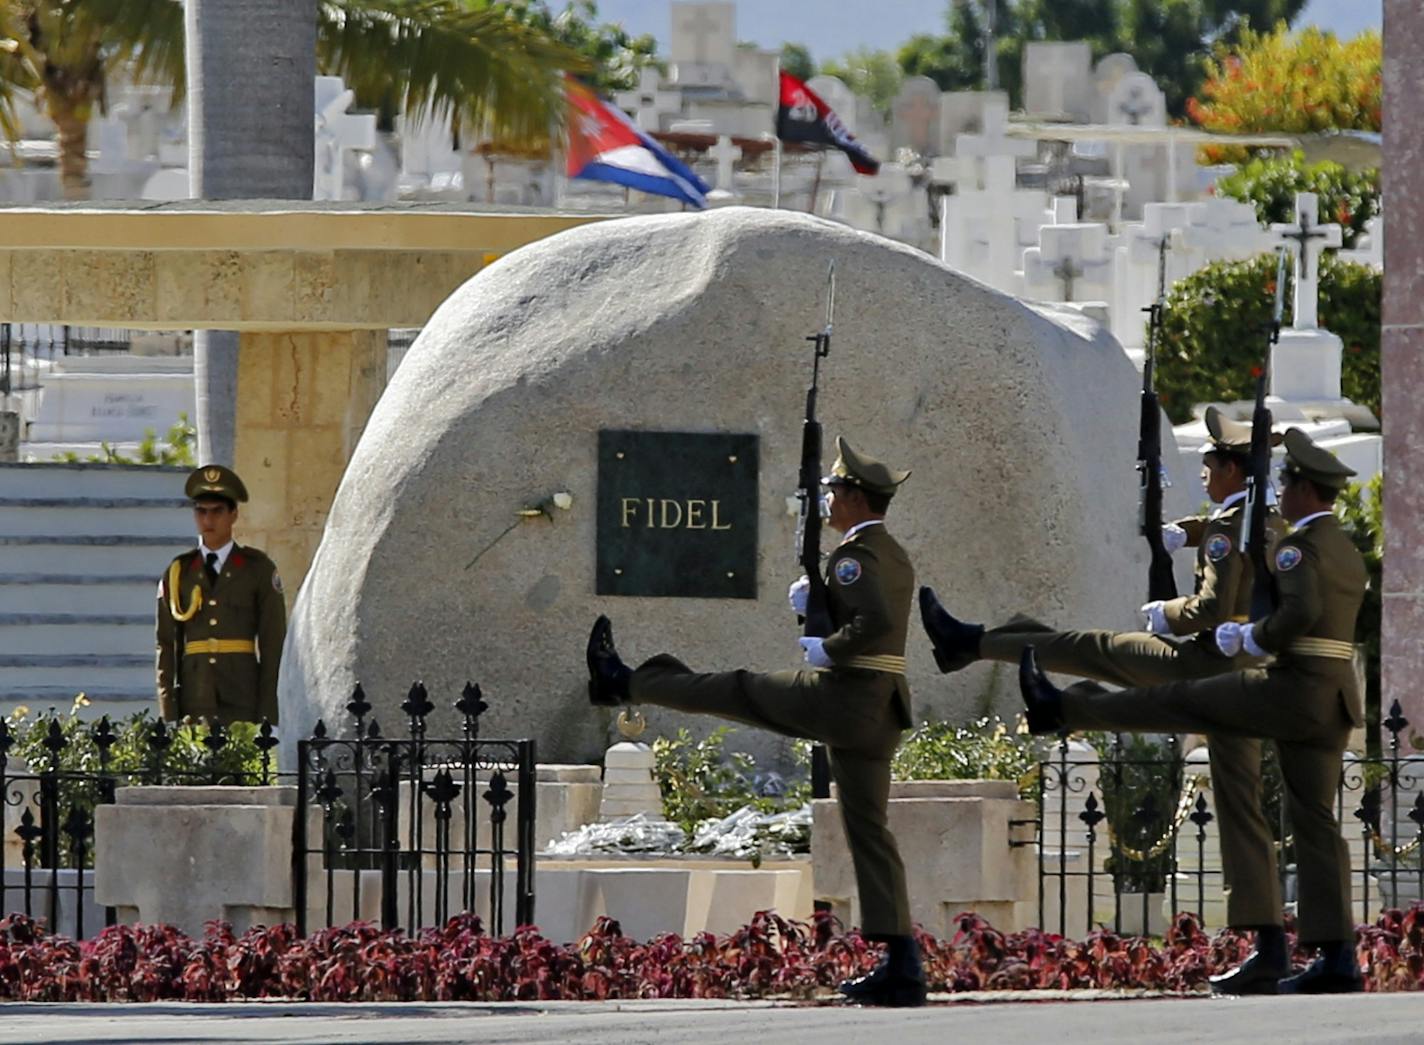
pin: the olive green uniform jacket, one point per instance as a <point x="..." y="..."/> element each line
<point x="1221" y="593"/>
<point x="1306" y="699"/>
<point x="245" y="604"/>
<point x="857" y="708"/>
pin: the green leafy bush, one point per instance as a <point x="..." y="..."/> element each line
<point x="700" y="780"/>
<point x="1214" y="331"/>
<point x="176" y="450"/>
<point x="985" y="749"/>
<point x="1347" y="197"/>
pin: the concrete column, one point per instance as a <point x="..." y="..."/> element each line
<point x="1402" y="361"/>
<point x="303" y="400"/>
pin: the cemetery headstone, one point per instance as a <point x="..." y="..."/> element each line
<point x="704" y="44"/>
<point x="1305" y="362"/>
<point x="337" y="132"/>
<point x="1106" y="75"/>
<point x="649" y="104"/>
<point x="1058" y="80"/>
<point x="915" y="116"/>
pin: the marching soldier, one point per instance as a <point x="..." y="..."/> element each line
<point x="1179" y="644"/>
<point x="853" y="697"/>
<point x="221" y="616"/>
<point x="1306" y="700"/>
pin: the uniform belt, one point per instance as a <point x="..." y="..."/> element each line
<point x="1240" y="618"/>
<point x="887" y="662"/>
<point x="1334" y="649"/>
<point x="198" y="647"/>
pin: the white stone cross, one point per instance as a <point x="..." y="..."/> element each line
<point x="1221" y="229"/>
<point x="337" y="131"/>
<point x="991" y="139"/>
<point x="1070" y="263"/>
<point x="704" y="34"/>
<point x="1306" y="239"/>
<point x="649" y="102"/>
<point x="726" y="154"/>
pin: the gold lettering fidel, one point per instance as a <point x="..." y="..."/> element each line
<point x="625" y="504"/>
<point x="677" y="521"/>
<point x="716" y="513"/>
<point x="694" y="514"/>
<point x="668" y="513"/>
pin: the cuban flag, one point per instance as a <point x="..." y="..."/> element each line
<point x="604" y="145"/>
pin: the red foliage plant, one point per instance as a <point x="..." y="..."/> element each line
<point x="769" y="957"/>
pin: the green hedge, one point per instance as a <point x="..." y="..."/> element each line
<point x="1347" y="198"/>
<point x="1214" y="332"/>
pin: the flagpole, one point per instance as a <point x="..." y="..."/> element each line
<point x="776" y="170"/>
<point x="816" y="184"/>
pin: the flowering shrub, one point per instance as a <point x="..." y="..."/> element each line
<point x="770" y="956"/>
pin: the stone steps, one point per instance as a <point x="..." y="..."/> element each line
<point x="81" y="550"/>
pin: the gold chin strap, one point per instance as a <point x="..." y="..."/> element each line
<point x="174" y="596"/>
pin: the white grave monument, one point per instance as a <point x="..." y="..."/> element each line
<point x="1369" y="248"/>
<point x="337" y="133"/>
<point x="1105" y="77"/>
<point x="649" y="103"/>
<point x="1073" y="263"/>
<point x="1305" y="364"/>
<point x="1137" y="261"/>
<point x="915" y="117"/>
<point x="704" y="44"/>
<point x="1058" y="80"/>
<point x="725" y="155"/>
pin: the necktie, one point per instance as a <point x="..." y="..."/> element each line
<point x="212" y="567"/>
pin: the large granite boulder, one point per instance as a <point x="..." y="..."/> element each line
<point x="1019" y="422"/>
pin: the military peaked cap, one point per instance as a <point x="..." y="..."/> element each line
<point x="215" y="480"/>
<point x="857" y="469"/>
<point x="1305" y="459"/>
<point x="1228" y="436"/>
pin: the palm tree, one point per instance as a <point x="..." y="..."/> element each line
<point x="481" y="62"/>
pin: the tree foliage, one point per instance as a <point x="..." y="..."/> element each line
<point x="1270" y="184"/>
<point x="1292" y="82"/>
<point x="1214" y="331"/>
<point x="1172" y="40"/>
<point x="872" y="74"/>
<point x="796" y="59"/>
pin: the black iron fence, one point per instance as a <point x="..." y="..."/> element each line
<point x="400" y="820"/>
<point x="422" y="824"/>
<point x="1126" y="831"/>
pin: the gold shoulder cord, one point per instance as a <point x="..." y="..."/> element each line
<point x="174" y="596"/>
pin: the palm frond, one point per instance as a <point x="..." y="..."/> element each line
<point x="473" y="61"/>
<point x="145" y="37"/>
<point x="17" y="70"/>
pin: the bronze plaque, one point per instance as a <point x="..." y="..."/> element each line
<point x="677" y="514"/>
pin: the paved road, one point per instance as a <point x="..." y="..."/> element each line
<point x="1259" y="1021"/>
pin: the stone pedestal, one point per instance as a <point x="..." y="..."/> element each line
<point x="628" y="784"/>
<point x="302" y="403"/>
<point x="955" y="839"/>
<point x="187" y="855"/>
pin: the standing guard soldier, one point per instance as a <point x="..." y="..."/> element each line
<point x="853" y="698"/>
<point x="1307" y="700"/>
<point x="1179" y="644"/>
<point x="221" y="616"/>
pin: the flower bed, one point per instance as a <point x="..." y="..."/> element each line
<point x="770" y="957"/>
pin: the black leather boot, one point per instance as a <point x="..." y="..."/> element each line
<point x="608" y="676"/>
<point x="1334" y="971"/>
<point x="1261" y="970"/>
<point x="956" y="644"/>
<point x="897" y="982"/>
<point x="1043" y="701"/>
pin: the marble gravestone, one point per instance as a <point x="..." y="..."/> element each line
<point x="464" y="540"/>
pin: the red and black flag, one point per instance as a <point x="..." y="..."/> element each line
<point x="803" y="117"/>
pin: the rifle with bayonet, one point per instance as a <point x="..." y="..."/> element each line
<point x="1258" y="483"/>
<point x="1161" y="584"/>
<point x="816" y="622"/>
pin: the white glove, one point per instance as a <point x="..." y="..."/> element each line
<point x="1173" y="537"/>
<point x="1248" y="641"/>
<point x="1228" y="638"/>
<point x="815" y="652"/>
<point x="1156" y="619"/>
<point x="798" y="593"/>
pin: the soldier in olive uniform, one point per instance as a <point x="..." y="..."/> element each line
<point x="852" y="698"/>
<point x="221" y="616"/>
<point x="1179" y="644"/>
<point x="1306" y="700"/>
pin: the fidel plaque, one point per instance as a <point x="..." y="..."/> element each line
<point x="677" y="514"/>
